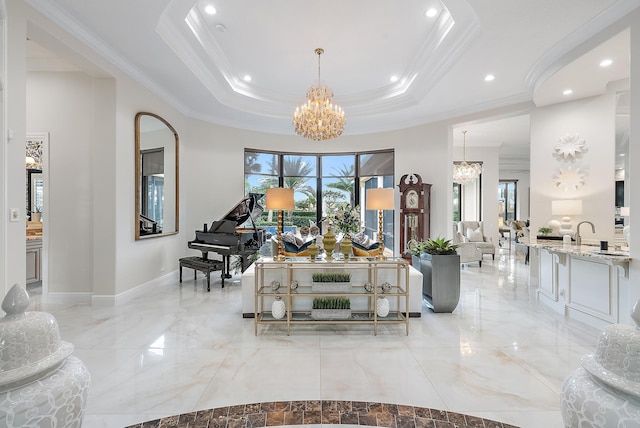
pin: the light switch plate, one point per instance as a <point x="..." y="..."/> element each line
<point x="15" y="214"/>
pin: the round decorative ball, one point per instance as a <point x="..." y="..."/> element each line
<point x="368" y="286"/>
<point x="382" y="307"/>
<point x="278" y="309"/>
<point x="275" y="285"/>
<point x="294" y="284"/>
<point x="386" y="287"/>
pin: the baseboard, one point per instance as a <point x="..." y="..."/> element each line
<point x="126" y="296"/>
<point x="68" y="298"/>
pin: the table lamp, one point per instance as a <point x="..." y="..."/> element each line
<point x="380" y="199"/>
<point x="566" y="208"/>
<point x="279" y="198"/>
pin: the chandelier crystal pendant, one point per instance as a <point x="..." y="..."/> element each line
<point x="463" y="172"/>
<point x="319" y="119"/>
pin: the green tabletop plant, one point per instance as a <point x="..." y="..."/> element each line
<point x="331" y="303"/>
<point x="331" y="277"/>
<point x="437" y="246"/>
<point x="545" y="230"/>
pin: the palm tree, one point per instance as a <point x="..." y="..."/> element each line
<point x="345" y="183"/>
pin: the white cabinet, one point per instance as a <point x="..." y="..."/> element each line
<point x="34" y="260"/>
<point x="299" y="297"/>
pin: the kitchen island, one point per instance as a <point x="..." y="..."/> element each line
<point x="581" y="282"/>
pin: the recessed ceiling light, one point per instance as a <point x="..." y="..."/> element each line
<point x="567" y="92"/>
<point x="210" y="9"/>
<point x="606" y="63"/>
<point x="247" y="78"/>
<point x="430" y="13"/>
<point x="489" y="77"/>
<point x="393" y="79"/>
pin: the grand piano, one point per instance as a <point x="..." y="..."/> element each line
<point x="226" y="238"/>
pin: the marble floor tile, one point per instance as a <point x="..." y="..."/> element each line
<point x="180" y="349"/>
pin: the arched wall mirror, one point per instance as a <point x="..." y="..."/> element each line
<point x="156" y="208"/>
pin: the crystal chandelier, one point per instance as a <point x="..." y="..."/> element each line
<point x="319" y="119"/>
<point x="463" y="172"/>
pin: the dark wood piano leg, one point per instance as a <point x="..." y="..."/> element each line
<point x="226" y="273"/>
<point x="208" y="280"/>
<point x="180" y="273"/>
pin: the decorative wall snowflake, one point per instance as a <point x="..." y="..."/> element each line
<point x="569" y="179"/>
<point x="569" y="147"/>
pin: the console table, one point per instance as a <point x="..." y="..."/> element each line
<point x="294" y="278"/>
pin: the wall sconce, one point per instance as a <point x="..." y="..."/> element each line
<point x="566" y="208"/>
<point x="380" y="199"/>
<point x="279" y="199"/>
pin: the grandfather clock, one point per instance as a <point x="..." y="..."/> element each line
<point x="415" y="210"/>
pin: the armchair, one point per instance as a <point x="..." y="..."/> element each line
<point x="472" y="231"/>
<point x="469" y="253"/>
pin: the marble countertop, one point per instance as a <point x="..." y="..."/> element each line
<point x="584" y="250"/>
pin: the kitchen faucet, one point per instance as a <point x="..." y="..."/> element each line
<point x="578" y="237"/>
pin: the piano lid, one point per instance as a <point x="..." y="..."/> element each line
<point x="248" y="207"/>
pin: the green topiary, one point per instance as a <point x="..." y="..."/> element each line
<point x="331" y="303"/>
<point x="331" y="277"/>
<point x="438" y="246"/>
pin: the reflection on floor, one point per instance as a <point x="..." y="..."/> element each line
<point x="499" y="356"/>
<point x="258" y="415"/>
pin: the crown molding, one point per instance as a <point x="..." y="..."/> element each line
<point x="589" y="35"/>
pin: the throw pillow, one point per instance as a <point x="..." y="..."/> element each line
<point x="294" y="249"/>
<point x="362" y="239"/>
<point x="475" y="235"/>
<point x="364" y="253"/>
<point x="361" y="251"/>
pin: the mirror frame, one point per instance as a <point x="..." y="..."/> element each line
<point x="138" y="183"/>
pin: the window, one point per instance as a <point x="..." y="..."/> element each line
<point x="457" y="202"/>
<point x="322" y="183"/>
<point x="507" y="194"/>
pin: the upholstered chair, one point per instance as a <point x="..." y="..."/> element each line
<point x="469" y="253"/>
<point x="473" y="231"/>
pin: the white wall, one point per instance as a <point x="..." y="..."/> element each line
<point x="214" y="159"/>
<point x="62" y="104"/>
<point x="594" y="120"/>
<point x="91" y="121"/>
<point x="634" y="158"/>
<point x="15" y="244"/>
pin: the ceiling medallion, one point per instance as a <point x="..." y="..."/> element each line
<point x="570" y="147"/>
<point x="463" y="172"/>
<point x="319" y="119"/>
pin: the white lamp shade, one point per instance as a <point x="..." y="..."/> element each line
<point x="279" y="198"/>
<point x="380" y="199"/>
<point x="624" y="211"/>
<point x="567" y="207"/>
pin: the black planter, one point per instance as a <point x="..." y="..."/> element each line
<point x="440" y="280"/>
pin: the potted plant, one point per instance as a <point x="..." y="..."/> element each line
<point x="331" y="308"/>
<point x="544" y="231"/>
<point x="439" y="264"/>
<point x="330" y="281"/>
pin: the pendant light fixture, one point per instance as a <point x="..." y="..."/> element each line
<point x="319" y="119"/>
<point x="463" y="172"/>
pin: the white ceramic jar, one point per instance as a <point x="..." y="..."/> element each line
<point x="605" y="392"/>
<point x="41" y="384"/>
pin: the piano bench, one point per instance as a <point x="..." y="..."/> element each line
<point x="203" y="265"/>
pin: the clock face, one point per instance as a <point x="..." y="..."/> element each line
<point x="412" y="199"/>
